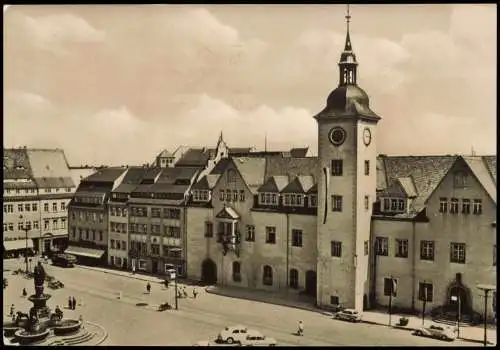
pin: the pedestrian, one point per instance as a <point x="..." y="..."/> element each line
<point x="148" y="288"/>
<point x="25" y="293"/>
<point x="195" y="292"/>
<point x="73" y="303"/>
<point x="133" y="270"/>
<point x="119" y="294"/>
<point x="301" y="328"/>
<point x="12" y="310"/>
<point x="70" y="303"/>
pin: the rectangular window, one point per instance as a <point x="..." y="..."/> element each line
<point x="242" y="195"/>
<point x="63" y="223"/>
<point x="27" y="207"/>
<point x="268" y="199"/>
<point x="34" y="207"/>
<point x="155" y="229"/>
<point x="367" y="248"/>
<point x="124" y="245"/>
<point x="367" y="202"/>
<point x="228" y="195"/>
<point x="250" y="233"/>
<point x="93" y="235"/>
<point x="209" y="229"/>
<point x="155" y="212"/>
<point x="35" y="225"/>
<point x="46" y="224"/>
<point x="394" y="204"/>
<point x="336" y="203"/>
<point x="477" y="206"/>
<point x="382" y="246"/>
<point x="443" y="205"/>
<point x="387" y="204"/>
<point x="28" y="225"/>
<point x="20" y="208"/>
<point x="155" y="249"/>
<point x="367" y="167"/>
<point x="425" y="291"/>
<point x="465" y="206"/>
<point x="100" y="236"/>
<point x="54" y="224"/>
<point x="46" y="207"/>
<point x="401" y="205"/>
<point x="20" y="226"/>
<point x="235" y="196"/>
<point x="336" y="249"/>
<point x="313" y="201"/>
<point x="401" y="248"/>
<point x="112" y="244"/>
<point x="337" y="167"/>
<point x="297" y="238"/>
<point x="390" y="286"/>
<point x="334" y="300"/>
<point x="11" y="226"/>
<point x="427" y="250"/>
<point x="457" y="253"/>
<point x="63" y="206"/>
<point x="54" y="206"/>
<point x="454" y="206"/>
<point x="270" y="234"/>
<point x="221" y="195"/>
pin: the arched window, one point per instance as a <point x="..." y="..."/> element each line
<point x="236" y="271"/>
<point x="267" y="276"/>
<point x="294" y="278"/>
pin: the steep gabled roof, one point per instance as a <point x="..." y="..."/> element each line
<point x="313" y="189"/>
<point x="207" y="182"/>
<point x="479" y="168"/>
<point x="252" y="170"/>
<point x="16" y="164"/>
<point x="301" y="184"/>
<point x="426" y="172"/>
<point x="274" y="184"/>
<point x="194" y="157"/>
<point x="292" y="167"/>
<point x="228" y="213"/>
<point x="165" y="154"/>
<point x="491" y="163"/>
<point x="105" y="175"/>
<point x="408" y="186"/>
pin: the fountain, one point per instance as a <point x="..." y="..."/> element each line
<point x="37" y="326"/>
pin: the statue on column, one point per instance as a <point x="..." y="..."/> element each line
<point x="39" y="278"/>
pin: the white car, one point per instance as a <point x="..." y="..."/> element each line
<point x="255" y="338"/>
<point x="438" y="332"/>
<point x="350" y="315"/>
<point x="232" y="334"/>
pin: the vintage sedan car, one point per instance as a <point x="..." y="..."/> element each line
<point x="64" y="260"/>
<point x="437" y="331"/>
<point x="349" y="315"/>
<point x="232" y="334"/>
<point x="255" y="338"/>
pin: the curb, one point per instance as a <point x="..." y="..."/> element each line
<point x="111" y="272"/>
<point x="104" y="331"/>
<point x="413" y="329"/>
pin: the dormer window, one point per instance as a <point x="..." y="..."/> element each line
<point x="313" y="201"/>
<point x="293" y="200"/>
<point x="201" y="195"/>
<point x="268" y="198"/>
<point x="394" y="205"/>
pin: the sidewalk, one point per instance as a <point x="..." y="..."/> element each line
<point x="471" y="334"/>
<point x="137" y="276"/>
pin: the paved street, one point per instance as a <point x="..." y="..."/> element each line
<point x="196" y="319"/>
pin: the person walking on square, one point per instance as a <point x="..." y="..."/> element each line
<point x="301" y="329"/>
<point x="25" y="293"/>
<point x="195" y="292"/>
<point x="148" y="288"/>
<point x="74" y="303"/>
<point x="12" y="310"/>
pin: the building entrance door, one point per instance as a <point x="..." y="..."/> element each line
<point x="209" y="272"/>
<point x="154" y="266"/>
<point x="311" y="283"/>
<point x="46" y="245"/>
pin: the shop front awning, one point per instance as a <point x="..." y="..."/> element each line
<point x="17" y="244"/>
<point x="86" y="252"/>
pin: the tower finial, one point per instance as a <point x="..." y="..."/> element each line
<point x="348" y="18"/>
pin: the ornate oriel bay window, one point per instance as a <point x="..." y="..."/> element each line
<point x="228" y="234"/>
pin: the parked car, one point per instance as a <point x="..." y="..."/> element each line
<point x="254" y="338"/>
<point x="438" y="332"/>
<point x="232" y="334"/>
<point x="349" y="315"/>
<point x="63" y="260"/>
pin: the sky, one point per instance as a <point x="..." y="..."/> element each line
<point x="118" y="84"/>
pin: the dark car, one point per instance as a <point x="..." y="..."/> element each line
<point x="64" y="260"/>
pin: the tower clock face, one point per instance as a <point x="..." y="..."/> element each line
<point x="337" y="136"/>
<point x="367" y="136"/>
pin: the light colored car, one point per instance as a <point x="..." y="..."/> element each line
<point x="255" y="338"/>
<point x="438" y="332"/>
<point x="232" y="334"/>
<point x="350" y="315"/>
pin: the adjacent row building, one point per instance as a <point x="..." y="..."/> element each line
<point x="37" y="187"/>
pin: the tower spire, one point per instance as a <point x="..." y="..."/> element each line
<point x="347" y="64"/>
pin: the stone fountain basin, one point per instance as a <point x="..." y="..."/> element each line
<point x="24" y="337"/>
<point x="10" y="327"/>
<point x="66" y="326"/>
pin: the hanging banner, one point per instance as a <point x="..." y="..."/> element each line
<point x="327" y="187"/>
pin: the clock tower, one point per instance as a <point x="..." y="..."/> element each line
<point x="346" y="188"/>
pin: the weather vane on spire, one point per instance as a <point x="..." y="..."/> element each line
<point x="348" y="17"/>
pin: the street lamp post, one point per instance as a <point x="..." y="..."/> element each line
<point x="486" y="288"/>
<point x="25" y="228"/>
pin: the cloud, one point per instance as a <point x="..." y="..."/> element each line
<point x="54" y="32"/>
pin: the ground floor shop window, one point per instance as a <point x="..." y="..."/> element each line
<point x="142" y="264"/>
